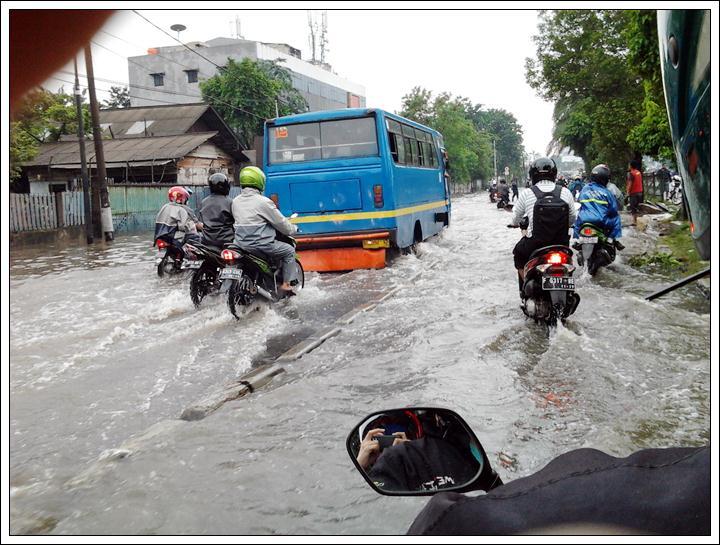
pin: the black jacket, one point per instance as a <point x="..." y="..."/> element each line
<point x="217" y="218"/>
<point x="653" y="491"/>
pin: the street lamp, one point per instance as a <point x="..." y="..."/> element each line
<point x="178" y="28"/>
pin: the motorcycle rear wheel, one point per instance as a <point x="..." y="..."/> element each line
<point x="239" y="299"/>
<point x="202" y="282"/>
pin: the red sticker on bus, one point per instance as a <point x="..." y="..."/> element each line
<point x="281" y="132"/>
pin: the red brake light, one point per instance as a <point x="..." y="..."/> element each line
<point x="587" y="231"/>
<point x="229" y="255"/>
<point x="556" y="258"/>
<point x="161" y="244"/>
<point x="378" y="195"/>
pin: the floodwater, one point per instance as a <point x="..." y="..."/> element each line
<point x="105" y="356"/>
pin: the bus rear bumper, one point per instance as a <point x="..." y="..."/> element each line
<point x="343" y="252"/>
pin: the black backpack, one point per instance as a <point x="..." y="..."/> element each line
<point x="551" y="216"/>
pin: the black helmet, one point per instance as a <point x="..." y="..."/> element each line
<point x="600" y="175"/>
<point x="502" y="181"/>
<point x="543" y="168"/>
<point x="219" y="184"/>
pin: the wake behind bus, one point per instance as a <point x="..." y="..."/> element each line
<point x="361" y="181"/>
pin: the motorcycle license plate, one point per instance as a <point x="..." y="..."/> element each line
<point x="194" y="264"/>
<point x="564" y="283"/>
<point x="588" y="240"/>
<point x="231" y="274"/>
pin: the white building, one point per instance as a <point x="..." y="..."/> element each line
<point x="173" y="74"/>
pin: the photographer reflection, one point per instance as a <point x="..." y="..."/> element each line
<point x="417" y="451"/>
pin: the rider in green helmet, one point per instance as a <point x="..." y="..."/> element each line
<point x="257" y="223"/>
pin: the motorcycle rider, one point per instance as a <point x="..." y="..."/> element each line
<point x="257" y="223"/>
<point x="598" y="206"/>
<point x="548" y="221"/>
<point x="216" y="212"/>
<point x="503" y="191"/>
<point x="173" y="223"/>
<point x="576" y="186"/>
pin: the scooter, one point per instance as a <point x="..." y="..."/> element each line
<point x="595" y="250"/>
<point x="548" y="292"/>
<point x="206" y="262"/>
<point x="252" y="275"/>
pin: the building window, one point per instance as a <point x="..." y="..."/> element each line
<point x="159" y="79"/>
<point x="192" y="76"/>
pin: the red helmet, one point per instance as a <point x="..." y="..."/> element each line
<point x="178" y="194"/>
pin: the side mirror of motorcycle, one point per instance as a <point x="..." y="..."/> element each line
<point x="419" y="451"/>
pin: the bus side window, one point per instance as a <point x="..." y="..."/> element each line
<point x="392" y="142"/>
<point x="401" y="148"/>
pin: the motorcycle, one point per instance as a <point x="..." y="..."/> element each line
<point x="549" y="289"/>
<point x="675" y="193"/>
<point x="207" y="262"/>
<point x="493" y="194"/>
<point x="503" y="202"/>
<point x="252" y="275"/>
<point x="439" y="453"/>
<point x="595" y="250"/>
<point x="170" y="259"/>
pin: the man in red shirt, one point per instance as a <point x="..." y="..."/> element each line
<point x="634" y="188"/>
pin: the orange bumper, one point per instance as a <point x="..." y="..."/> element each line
<point x="341" y="252"/>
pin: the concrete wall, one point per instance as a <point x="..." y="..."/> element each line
<point x="323" y="90"/>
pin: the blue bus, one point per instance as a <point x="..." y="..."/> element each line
<point x="360" y="181"/>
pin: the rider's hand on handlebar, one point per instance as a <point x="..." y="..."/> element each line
<point x="511" y="226"/>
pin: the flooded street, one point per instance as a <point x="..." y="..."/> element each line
<point x="105" y="356"/>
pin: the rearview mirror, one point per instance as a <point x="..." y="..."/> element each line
<point x="419" y="451"/>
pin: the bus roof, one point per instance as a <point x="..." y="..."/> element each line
<point x="343" y="113"/>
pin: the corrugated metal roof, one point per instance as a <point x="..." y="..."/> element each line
<point x="162" y="120"/>
<point x="122" y="150"/>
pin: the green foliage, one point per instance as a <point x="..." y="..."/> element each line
<point x="601" y="69"/>
<point x="119" y="98"/>
<point x="246" y="93"/>
<point x="42" y="116"/>
<point x="468" y="132"/>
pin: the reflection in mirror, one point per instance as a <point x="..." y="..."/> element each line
<point x="416" y="451"/>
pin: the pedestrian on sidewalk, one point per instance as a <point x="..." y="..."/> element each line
<point x="634" y="188"/>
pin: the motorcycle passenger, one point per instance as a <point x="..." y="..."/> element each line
<point x="576" y="186"/>
<point x="548" y="220"/>
<point x="257" y="223"/>
<point x="216" y="212"/>
<point x="598" y="206"/>
<point x="173" y="223"/>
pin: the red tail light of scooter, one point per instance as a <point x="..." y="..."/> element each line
<point x="557" y="258"/>
<point x="229" y="255"/>
<point x="161" y="244"/>
<point x="587" y="231"/>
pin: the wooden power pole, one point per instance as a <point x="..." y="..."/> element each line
<point x="102" y="214"/>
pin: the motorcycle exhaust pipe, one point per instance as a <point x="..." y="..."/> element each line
<point x="267" y="295"/>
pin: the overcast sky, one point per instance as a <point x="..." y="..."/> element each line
<point x="476" y="54"/>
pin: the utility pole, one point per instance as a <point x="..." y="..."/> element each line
<point x="495" y="159"/>
<point x="101" y="201"/>
<point x="83" y="161"/>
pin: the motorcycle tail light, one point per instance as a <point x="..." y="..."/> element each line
<point x="587" y="231"/>
<point x="556" y="258"/>
<point x="229" y="255"/>
<point x="161" y="244"/>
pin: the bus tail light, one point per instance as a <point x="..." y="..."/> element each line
<point x="378" y="195"/>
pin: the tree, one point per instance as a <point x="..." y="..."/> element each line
<point x="601" y="69"/>
<point x="119" y="98"/>
<point x="42" y="116"/>
<point x="501" y="126"/>
<point x="247" y="93"/>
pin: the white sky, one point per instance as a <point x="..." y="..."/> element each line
<point x="478" y="54"/>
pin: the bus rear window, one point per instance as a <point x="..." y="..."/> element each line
<point x="325" y="140"/>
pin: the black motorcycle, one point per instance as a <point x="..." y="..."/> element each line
<point x="595" y="249"/>
<point x="170" y="258"/>
<point x="206" y="262"/>
<point x="493" y="195"/>
<point x="549" y="289"/>
<point x="251" y="275"/>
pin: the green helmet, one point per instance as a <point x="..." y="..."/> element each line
<point x="252" y="177"/>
